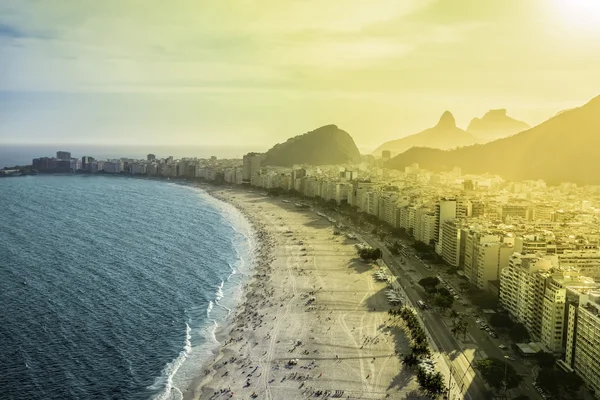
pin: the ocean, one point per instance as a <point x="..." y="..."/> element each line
<point x="113" y="287"/>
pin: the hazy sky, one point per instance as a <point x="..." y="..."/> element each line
<point x="221" y="72"/>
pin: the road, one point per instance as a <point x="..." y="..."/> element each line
<point x="465" y="383"/>
<point x="462" y="375"/>
<point x="459" y="363"/>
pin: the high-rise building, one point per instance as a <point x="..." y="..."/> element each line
<point x="151" y="157"/>
<point x="86" y="162"/>
<point x="582" y="352"/>
<point x="63" y="155"/>
<point x="252" y="164"/>
<point x="445" y="210"/>
<point x="451" y="234"/>
<point x="522" y="289"/>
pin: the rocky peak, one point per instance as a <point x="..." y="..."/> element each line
<point x="446" y="121"/>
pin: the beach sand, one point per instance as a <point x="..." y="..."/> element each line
<point x="313" y="301"/>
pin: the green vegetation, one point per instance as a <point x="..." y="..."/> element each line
<point x="327" y="145"/>
<point x="432" y="384"/>
<point x="498" y="374"/>
<point x="560" y="384"/>
<point x="419" y="345"/>
<point x="443" y="302"/>
<point x="481" y="298"/>
<point x="370" y="254"/>
<point x="501" y="321"/>
<point x="573" y="164"/>
<point x="545" y="360"/>
<point x="429" y="282"/>
<point x="518" y="333"/>
<point x="459" y="326"/>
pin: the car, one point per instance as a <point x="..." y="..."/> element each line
<point x="509" y="358"/>
<point x="502" y="346"/>
<point x="481" y="327"/>
<point x="493" y="334"/>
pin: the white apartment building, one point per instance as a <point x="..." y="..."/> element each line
<point x="450" y="242"/>
<point x="522" y="289"/>
<point x="583" y="339"/>
<point x="138" y="169"/>
<point x="388" y="209"/>
<point x="473" y="240"/>
<point x="113" y="167"/>
<point x="554" y="311"/>
<point x="251" y="165"/>
<point x="372" y="206"/>
<point x="445" y="210"/>
<point x="491" y="259"/>
<point x="152" y="169"/>
<point x="425" y="228"/>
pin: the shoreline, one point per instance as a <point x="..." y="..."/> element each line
<point x="329" y="333"/>
<point x="259" y="258"/>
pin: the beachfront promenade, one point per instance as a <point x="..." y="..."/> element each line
<point x="314" y="323"/>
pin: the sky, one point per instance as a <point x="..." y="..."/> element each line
<point x="255" y="72"/>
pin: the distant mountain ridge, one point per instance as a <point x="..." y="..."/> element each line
<point x="495" y="124"/>
<point x="444" y="135"/>
<point x="327" y="145"/>
<point x="561" y="149"/>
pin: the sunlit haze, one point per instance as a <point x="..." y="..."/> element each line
<point x="250" y="73"/>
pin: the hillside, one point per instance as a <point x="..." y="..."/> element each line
<point x="495" y="124"/>
<point x="562" y="149"/>
<point x="445" y="135"/>
<point x="327" y="145"/>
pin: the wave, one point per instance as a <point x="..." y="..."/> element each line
<point x="219" y="295"/>
<point x="209" y="308"/>
<point x="165" y="380"/>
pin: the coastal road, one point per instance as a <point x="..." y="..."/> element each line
<point x="485" y="344"/>
<point x="463" y="377"/>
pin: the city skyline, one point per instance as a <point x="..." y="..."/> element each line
<point x="249" y="74"/>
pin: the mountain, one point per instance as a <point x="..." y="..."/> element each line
<point x="445" y="135"/>
<point x="562" y="149"/>
<point x="327" y="145"/>
<point x="495" y="124"/>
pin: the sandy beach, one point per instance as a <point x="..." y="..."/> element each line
<point x="314" y="322"/>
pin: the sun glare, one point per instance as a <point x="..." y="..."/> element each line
<point x="581" y="13"/>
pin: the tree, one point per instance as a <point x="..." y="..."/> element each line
<point x="432" y="384"/>
<point x="370" y="254"/>
<point x="498" y="374"/>
<point x="545" y="360"/>
<point x="430" y="281"/>
<point x="501" y="321"/>
<point x="444" y="292"/>
<point x="521" y="397"/>
<point x="420" y="349"/>
<point x="518" y="333"/>
<point x="482" y="299"/>
<point x="562" y="385"/>
<point x="443" y="302"/>
<point x="410" y="360"/>
<point x="459" y="326"/>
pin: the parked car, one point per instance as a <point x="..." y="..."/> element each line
<point x="503" y="347"/>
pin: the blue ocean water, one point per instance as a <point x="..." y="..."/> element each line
<point x="113" y="287"/>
